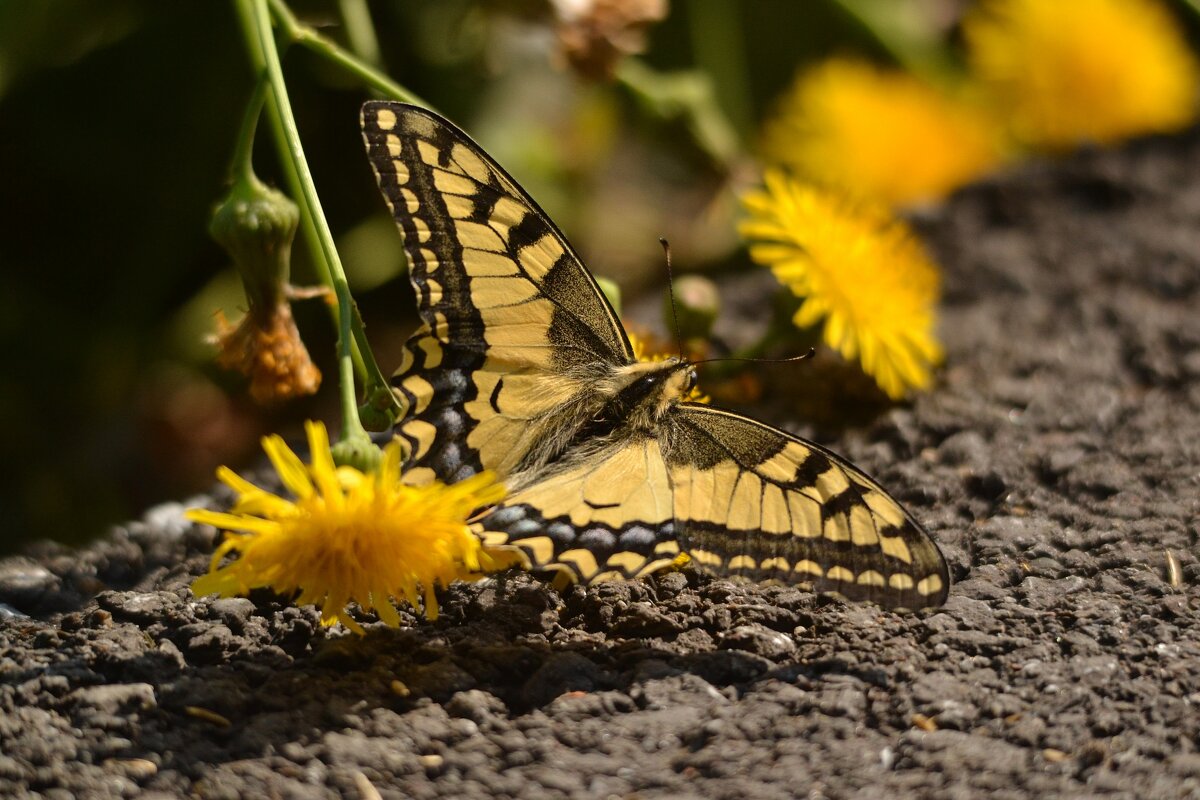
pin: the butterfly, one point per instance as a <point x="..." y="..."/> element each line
<point x="520" y="366"/>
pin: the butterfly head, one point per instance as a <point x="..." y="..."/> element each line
<point x="690" y="378"/>
<point x="676" y="378"/>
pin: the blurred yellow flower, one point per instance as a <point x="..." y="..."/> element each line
<point x="1070" y="71"/>
<point x="347" y="535"/>
<point x="856" y="268"/>
<point x="879" y="134"/>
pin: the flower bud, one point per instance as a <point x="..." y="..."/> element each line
<point x="256" y="225"/>
<point x="697" y="304"/>
<point x="358" y="452"/>
<point x="381" y="409"/>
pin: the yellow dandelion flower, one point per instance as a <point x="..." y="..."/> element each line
<point x="1070" y="71"/>
<point x="648" y="349"/>
<point x="347" y="535"/>
<point x="859" y="270"/>
<point x="880" y="134"/>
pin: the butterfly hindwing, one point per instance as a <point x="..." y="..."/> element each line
<point x="753" y="501"/>
<point x="510" y="318"/>
<point x="739" y="497"/>
<point x="603" y="514"/>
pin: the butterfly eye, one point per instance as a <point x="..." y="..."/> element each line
<point x="691" y="380"/>
<point x="648" y="382"/>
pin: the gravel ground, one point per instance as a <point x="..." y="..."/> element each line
<point x="1058" y="465"/>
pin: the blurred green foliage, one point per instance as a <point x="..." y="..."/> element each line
<point x="117" y="121"/>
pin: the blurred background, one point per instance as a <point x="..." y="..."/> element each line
<point x="626" y="120"/>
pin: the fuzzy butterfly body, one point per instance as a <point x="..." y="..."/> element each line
<point x="520" y="366"/>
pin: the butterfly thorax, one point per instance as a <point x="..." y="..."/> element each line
<point x="623" y="402"/>
<point x="642" y="392"/>
<point x="632" y="399"/>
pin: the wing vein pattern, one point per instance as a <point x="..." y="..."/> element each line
<point x="501" y="295"/>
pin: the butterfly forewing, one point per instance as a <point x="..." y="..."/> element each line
<point x="510" y="316"/>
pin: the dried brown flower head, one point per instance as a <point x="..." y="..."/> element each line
<point x="594" y="35"/>
<point x="265" y="346"/>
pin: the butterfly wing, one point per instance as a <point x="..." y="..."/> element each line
<point x="754" y="501"/>
<point x="512" y="322"/>
<point x="604" y="514"/>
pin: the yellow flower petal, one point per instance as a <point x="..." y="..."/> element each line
<point x="289" y="466"/>
<point x="389" y="467"/>
<point x="234" y="481"/>
<point x="323" y="469"/>
<point x="234" y="522"/>
<point x="214" y="584"/>
<point x="858" y="270"/>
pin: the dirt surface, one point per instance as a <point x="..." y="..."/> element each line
<point x="1058" y="464"/>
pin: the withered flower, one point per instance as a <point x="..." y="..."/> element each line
<point x="594" y="35"/>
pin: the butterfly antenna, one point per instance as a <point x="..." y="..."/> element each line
<point x="666" y="246"/>
<point x="793" y="359"/>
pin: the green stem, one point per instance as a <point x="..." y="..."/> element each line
<point x="904" y="37"/>
<point x="719" y="44"/>
<point x="261" y="19"/>
<point x="308" y="228"/>
<point x="313" y="226"/>
<point x="305" y="36"/>
<point x="242" y="164"/>
<point x="381" y="405"/>
<point x="360" y="31"/>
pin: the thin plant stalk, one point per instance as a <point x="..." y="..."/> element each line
<point x="256" y="18"/>
<point x="256" y="21"/>
<point x="298" y="33"/>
